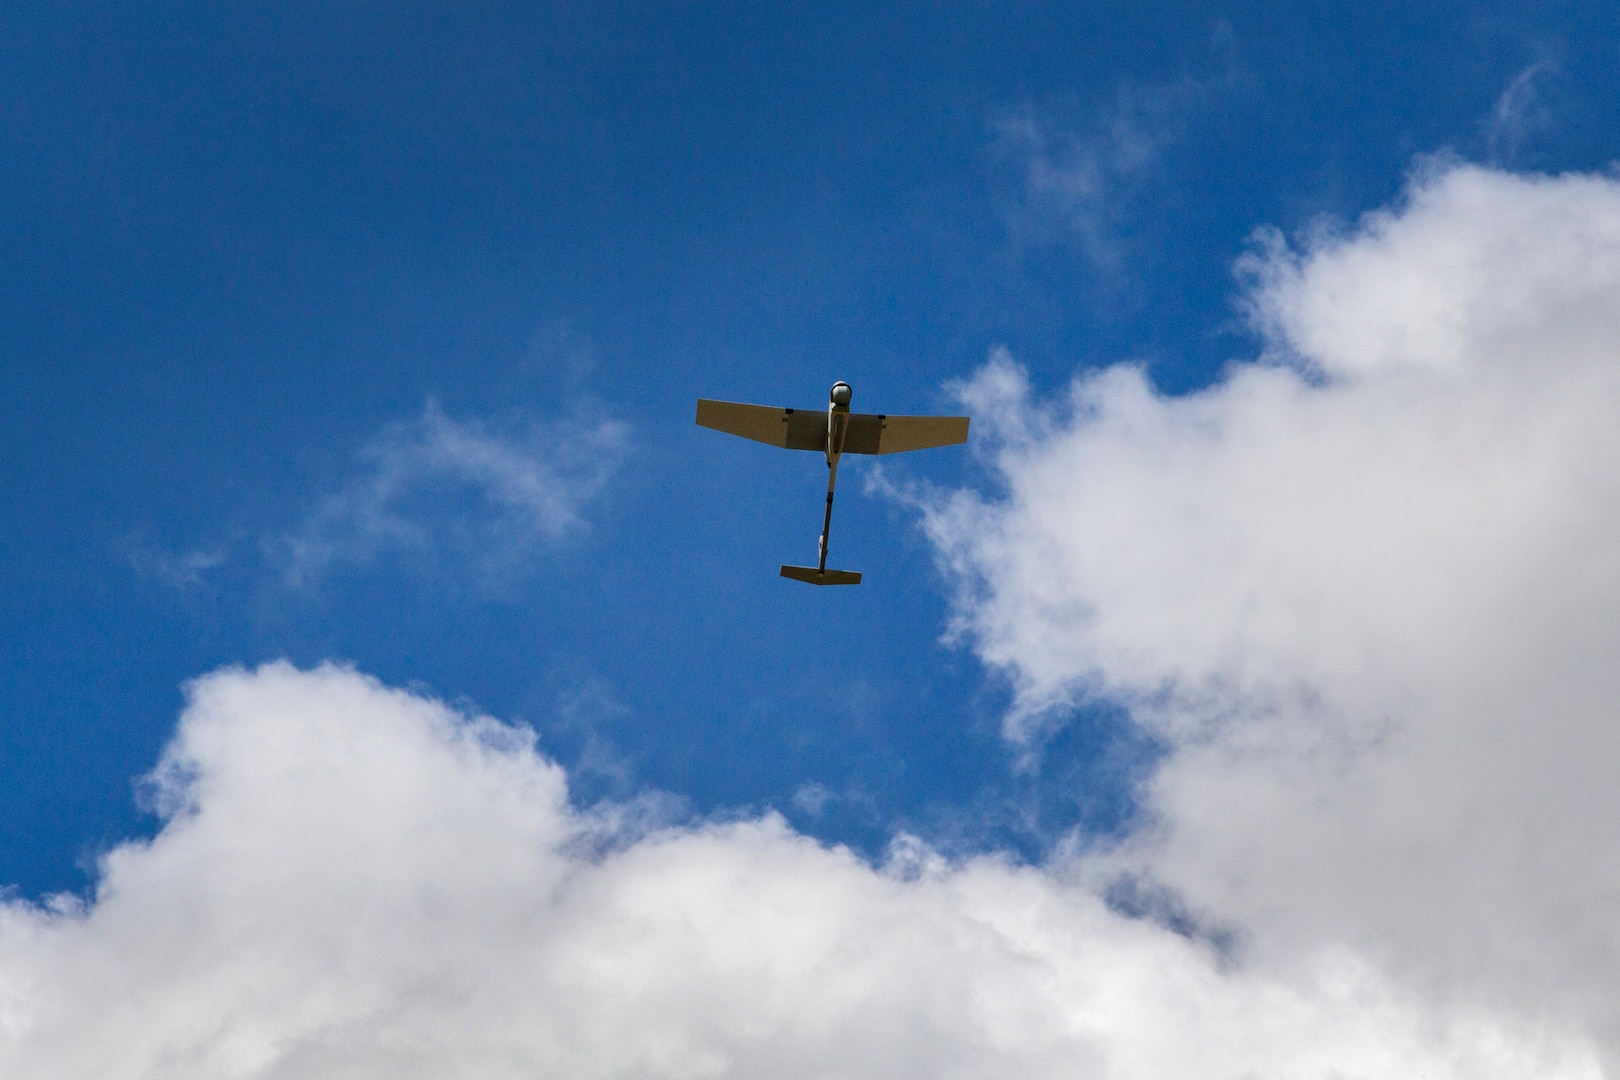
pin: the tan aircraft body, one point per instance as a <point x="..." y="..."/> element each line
<point x="835" y="433"/>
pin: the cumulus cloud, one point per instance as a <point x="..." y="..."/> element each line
<point x="435" y="484"/>
<point x="353" y="881"/>
<point x="1365" y="591"/>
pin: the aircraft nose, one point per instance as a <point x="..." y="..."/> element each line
<point x="841" y="393"/>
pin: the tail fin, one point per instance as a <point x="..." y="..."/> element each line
<point x="822" y="577"/>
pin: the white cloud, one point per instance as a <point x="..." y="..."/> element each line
<point x="356" y="882"/>
<point x="436" y="485"/>
<point x="1366" y="591"/>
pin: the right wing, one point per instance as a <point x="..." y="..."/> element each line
<point x="793" y="429"/>
<point x="873" y="434"/>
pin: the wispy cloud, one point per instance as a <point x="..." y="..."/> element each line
<point x="582" y="716"/>
<point x="438" y="486"/>
<point x="812" y="797"/>
<point x="1078" y="175"/>
<point x="1078" y="182"/>
<point x="1521" y="112"/>
<point x="174" y="569"/>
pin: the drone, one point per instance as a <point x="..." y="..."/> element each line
<point x="835" y="433"/>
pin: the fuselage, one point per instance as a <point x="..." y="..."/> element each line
<point x="837" y="421"/>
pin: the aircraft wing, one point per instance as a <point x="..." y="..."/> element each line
<point x="878" y="434"/>
<point x="794" y="429"/>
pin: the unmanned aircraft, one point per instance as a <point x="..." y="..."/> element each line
<point x="836" y="433"/>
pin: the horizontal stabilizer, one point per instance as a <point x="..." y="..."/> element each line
<point x="794" y="429"/>
<point x="822" y="577"/>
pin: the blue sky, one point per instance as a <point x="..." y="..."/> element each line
<point x="259" y="258"/>
<point x="397" y="683"/>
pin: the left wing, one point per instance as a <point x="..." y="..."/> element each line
<point x="878" y="434"/>
<point x="792" y="429"/>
